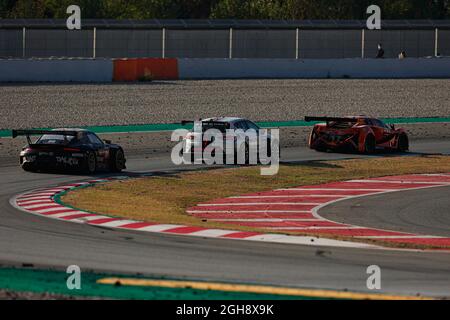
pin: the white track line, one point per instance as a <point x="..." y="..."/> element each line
<point x="336" y="189"/>
<point x="265" y="220"/>
<point x="211" y="233"/>
<point x="159" y="227"/>
<point x="317" y="228"/>
<point x="59" y="207"/>
<point x="401" y="182"/>
<point x="32" y="195"/>
<point x="399" y="237"/>
<point x="52" y="204"/>
<point x="259" y="203"/>
<point x="289" y="196"/>
<point x="248" y="211"/>
<point x="30" y="202"/>
<point x="116" y="223"/>
<point x="65" y="214"/>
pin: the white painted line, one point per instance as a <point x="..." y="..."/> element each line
<point x="310" y="241"/>
<point x="248" y="211"/>
<point x="290" y="196"/>
<point x="401" y="181"/>
<point x="211" y="233"/>
<point x="34" y="198"/>
<point x="399" y="237"/>
<point x="56" y="190"/>
<point x="315" y="228"/>
<point x="51" y="209"/>
<point x="32" y="195"/>
<point x="52" y="204"/>
<point x="34" y="201"/>
<point x="336" y="189"/>
<point x="160" y="227"/>
<point x="259" y="203"/>
<point x="116" y="223"/>
<point x="88" y="218"/>
<point x="65" y="214"/>
<point x="265" y="220"/>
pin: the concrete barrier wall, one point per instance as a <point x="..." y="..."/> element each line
<point x="106" y="70"/>
<point x="56" y="70"/>
<point x="330" y="68"/>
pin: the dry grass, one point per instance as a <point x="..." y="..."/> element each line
<point x="165" y="198"/>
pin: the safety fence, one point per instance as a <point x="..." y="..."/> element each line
<point x="252" y="41"/>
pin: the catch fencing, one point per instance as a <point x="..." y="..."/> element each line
<point x="250" y="39"/>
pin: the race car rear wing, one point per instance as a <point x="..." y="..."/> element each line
<point x="28" y="133"/>
<point x="329" y="120"/>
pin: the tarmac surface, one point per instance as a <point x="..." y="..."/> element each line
<point x="27" y="239"/>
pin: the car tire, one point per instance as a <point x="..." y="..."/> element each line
<point x="369" y="144"/>
<point x="312" y="138"/>
<point x="118" y="161"/>
<point x="28" y="168"/>
<point x="403" y="143"/>
<point x="91" y="163"/>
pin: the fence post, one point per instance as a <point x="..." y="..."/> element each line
<point x="23" y="42"/>
<point x="94" y="44"/>
<point x="363" y="43"/>
<point x="230" y="52"/>
<point x="436" y="42"/>
<point x="296" y="42"/>
<point x="163" y="46"/>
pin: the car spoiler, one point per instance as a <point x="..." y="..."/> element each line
<point x="331" y="119"/>
<point x="28" y="133"/>
<point x="185" y="122"/>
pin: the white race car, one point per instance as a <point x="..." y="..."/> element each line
<point x="243" y="142"/>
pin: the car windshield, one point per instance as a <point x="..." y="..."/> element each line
<point x="54" y="139"/>
<point x="221" y="126"/>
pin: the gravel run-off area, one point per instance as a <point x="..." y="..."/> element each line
<point x="65" y="105"/>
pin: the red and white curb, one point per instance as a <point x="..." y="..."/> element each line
<point x="296" y="209"/>
<point x="293" y="209"/>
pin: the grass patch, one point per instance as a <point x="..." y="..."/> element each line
<point x="165" y="198"/>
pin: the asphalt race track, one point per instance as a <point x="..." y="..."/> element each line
<point x="28" y="239"/>
<point x="423" y="211"/>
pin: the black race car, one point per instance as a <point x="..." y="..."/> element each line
<point x="75" y="149"/>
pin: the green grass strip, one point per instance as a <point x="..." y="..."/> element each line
<point x="159" y="127"/>
<point x="49" y="281"/>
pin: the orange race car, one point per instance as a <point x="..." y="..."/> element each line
<point x="361" y="134"/>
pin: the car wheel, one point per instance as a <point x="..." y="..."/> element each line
<point x="28" y="168"/>
<point x="91" y="162"/>
<point x="312" y="139"/>
<point x="118" y="161"/>
<point x="369" y="144"/>
<point x="403" y="143"/>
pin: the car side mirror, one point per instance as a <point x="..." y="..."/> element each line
<point x="107" y="141"/>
